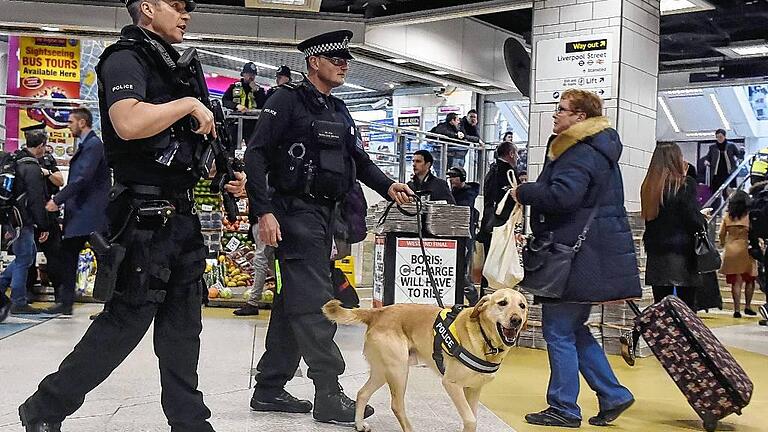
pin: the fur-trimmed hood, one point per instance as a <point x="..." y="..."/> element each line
<point x="581" y="131"/>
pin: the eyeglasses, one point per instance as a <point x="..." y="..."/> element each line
<point x="560" y="109"/>
<point x="337" y="61"/>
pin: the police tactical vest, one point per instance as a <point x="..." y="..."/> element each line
<point x="322" y="166"/>
<point x="178" y="141"/>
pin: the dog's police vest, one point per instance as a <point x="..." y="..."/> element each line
<point x="446" y="339"/>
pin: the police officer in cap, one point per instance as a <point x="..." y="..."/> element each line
<point x="146" y="116"/>
<point x="282" y="76"/>
<point x="245" y="94"/>
<point x="307" y="143"/>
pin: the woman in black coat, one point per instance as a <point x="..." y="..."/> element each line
<point x="672" y="218"/>
<point x="581" y="173"/>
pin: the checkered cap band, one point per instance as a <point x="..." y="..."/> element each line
<point x="327" y="47"/>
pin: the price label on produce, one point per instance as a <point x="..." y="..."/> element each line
<point x="206" y="208"/>
<point x="242" y="206"/>
<point x="233" y="244"/>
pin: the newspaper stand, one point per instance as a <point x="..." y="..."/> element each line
<point x="400" y="274"/>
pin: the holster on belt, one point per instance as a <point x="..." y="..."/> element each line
<point x="109" y="257"/>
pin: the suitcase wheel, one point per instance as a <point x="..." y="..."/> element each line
<point x="710" y="424"/>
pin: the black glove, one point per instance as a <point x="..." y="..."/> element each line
<point x="756" y="253"/>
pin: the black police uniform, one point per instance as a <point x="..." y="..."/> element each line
<point x="310" y="164"/>
<point x="51" y="248"/>
<point x="160" y="277"/>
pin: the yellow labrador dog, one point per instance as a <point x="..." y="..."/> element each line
<point x="401" y="332"/>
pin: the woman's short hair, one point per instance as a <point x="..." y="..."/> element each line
<point x="584" y="101"/>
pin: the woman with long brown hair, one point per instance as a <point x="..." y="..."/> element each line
<point x="672" y="217"/>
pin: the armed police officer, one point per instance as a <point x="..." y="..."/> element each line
<point x="154" y="257"/>
<point x="307" y="143"/>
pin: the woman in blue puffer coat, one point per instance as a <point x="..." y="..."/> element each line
<point x="581" y="172"/>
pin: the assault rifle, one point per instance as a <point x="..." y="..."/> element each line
<point x="226" y="166"/>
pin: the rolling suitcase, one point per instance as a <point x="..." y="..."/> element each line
<point x="707" y="374"/>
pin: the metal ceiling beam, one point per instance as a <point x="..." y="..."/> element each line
<point x="451" y="12"/>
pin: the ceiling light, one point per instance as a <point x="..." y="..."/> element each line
<point x="192" y="37"/>
<point x="751" y="50"/>
<point x="684" y="92"/>
<point x="357" y="87"/>
<point x="439" y="72"/>
<point x="684" y="6"/>
<point x="698" y="134"/>
<point x="50" y="29"/>
<point x="392" y="85"/>
<point x="214" y="75"/>
<point x="719" y="109"/>
<point x="482" y="84"/>
<point x="397" y="61"/>
<point x="668" y="113"/>
<point x="237" y="59"/>
<point x="301" y="5"/>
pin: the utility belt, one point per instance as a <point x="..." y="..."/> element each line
<point x="148" y="209"/>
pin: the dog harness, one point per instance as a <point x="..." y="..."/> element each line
<point x="447" y="340"/>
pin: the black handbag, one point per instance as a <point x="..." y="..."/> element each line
<point x="547" y="265"/>
<point x="707" y="256"/>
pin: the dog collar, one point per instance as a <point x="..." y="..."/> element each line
<point x="445" y="340"/>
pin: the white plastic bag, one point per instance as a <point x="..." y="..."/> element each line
<point x="503" y="265"/>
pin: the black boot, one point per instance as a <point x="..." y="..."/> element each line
<point x="278" y="400"/>
<point x="333" y="406"/>
<point x="37" y="425"/>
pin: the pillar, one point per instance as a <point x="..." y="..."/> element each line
<point x="629" y="86"/>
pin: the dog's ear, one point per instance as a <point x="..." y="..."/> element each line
<point x="480" y="306"/>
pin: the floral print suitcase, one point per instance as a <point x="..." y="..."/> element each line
<point x="707" y="374"/>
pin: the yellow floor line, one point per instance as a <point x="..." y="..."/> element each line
<point x="520" y="388"/>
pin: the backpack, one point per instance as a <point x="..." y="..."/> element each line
<point x="10" y="214"/>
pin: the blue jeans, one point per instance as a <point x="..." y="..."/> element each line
<point x="573" y="349"/>
<point x="15" y="275"/>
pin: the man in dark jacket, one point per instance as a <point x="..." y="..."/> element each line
<point x="85" y="200"/>
<point x="469" y="126"/>
<point x="722" y="161"/>
<point x="582" y="174"/>
<point x="465" y="193"/>
<point x="29" y="190"/>
<point x="424" y="182"/>
<point x="282" y="76"/>
<point x="451" y="128"/>
<point x="54" y="180"/>
<point x="244" y="96"/>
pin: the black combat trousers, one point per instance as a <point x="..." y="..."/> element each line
<point x="70" y="255"/>
<point x="297" y="327"/>
<point x="160" y="280"/>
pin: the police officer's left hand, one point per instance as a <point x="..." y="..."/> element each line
<point x="237" y="187"/>
<point x="400" y="193"/>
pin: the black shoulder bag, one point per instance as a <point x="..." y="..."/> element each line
<point x="547" y="265"/>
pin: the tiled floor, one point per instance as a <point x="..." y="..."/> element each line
<point x="128" y="401"/>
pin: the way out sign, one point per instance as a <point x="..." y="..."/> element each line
<point x="412" y="283"/>
<point x="579" y="62"/>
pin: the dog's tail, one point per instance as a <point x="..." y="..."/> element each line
<point x="334" y="312"/>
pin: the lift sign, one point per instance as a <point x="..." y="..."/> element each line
<point x="411" y="279"/>
<point x="592" y="45"/>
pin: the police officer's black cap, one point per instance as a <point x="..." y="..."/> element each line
<point x="190" y="4"/>
<point x="249" y="68"/>
<point x="283" y="71"/>
<point x="333" y="44"/>
<point x="34" y="127"/>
